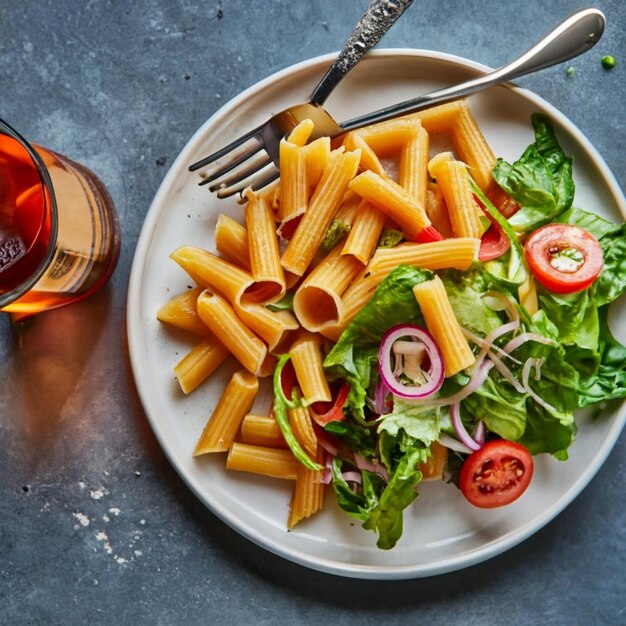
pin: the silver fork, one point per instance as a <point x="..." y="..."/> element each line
<point x="575" y="35"/>
<point x="255" y="152"/>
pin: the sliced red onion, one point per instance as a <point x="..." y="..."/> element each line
<point x="380" y="396"/>
<point x="524" y="337"/>
<point x="352" y="477"/>
<point x="479" y="433"/>
<point x="506" y="373"/>
<point x="460" y="430"/>
<point x="453" y="444"/>
<point x="487" y="346"/>
<point x="528" y="365"/>
<point x="435" y="374"/>
<point x="368" y="466"/>
<point x="329" y="447"/>
<point x="477" y="379"/>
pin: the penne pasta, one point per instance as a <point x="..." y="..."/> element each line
<point x="316" y="156"/>
<point x="211" y="272"/>
<point x="437" y="211"/>
<point x="262" y="430"/>
<point x="300" y="422"/>
<point x="272" y="462"/>
<point x="443" y="326"/>
<point x="271" y="326"/>
<point x="308" y="495"/>
<point x="527" y="293"/>
<point x="413" y="170"/>
<point x="195" y="367"/>
<point x="214" y="273"/>
<point x="365" y="232"/>
<point x="181" y="312"/>
<point x="219" y="433"/>
<point x="369" y="160"/>
<point x="231" y="240"/>
<point x="267" y="271"/>
<point x="294" y="190"/>
<point x="307" y="359"/>
<point x="394" y="201"/>
<point x="457" y="254"/>
<point x="301" y="133"/>
<point x="222" y="320"/>
<point x="454" y="181"/>
<point x="323" y="205"/>
<point x="317" y="301"/>
<point x="471" y="147"/>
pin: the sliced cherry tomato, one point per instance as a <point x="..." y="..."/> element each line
<point x="497" y="474"/>
<point x="502" y="201"/>
<point x="494" y="243"/>
<point x="564" y="258"/>
<point x="324" y="412"/>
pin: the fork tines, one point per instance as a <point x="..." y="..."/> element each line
<point x="241" y="164"/>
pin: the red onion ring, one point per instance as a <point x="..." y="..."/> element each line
<point x="464" y="437"/>
<point x="435" y="373"/>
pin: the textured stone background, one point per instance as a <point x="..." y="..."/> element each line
<point x="121" y="86"/>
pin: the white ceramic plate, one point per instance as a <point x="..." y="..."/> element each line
<point x="442" y="532"/>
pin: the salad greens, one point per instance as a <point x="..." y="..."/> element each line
<point x="568" y="359"/>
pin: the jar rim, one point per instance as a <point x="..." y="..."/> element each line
<point x="49" y="208"/>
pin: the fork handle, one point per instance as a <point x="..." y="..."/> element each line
<point x="378" y="18"/>
<point x="574" y="35"/>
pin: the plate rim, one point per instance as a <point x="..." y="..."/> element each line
<point x="135" y="342"/>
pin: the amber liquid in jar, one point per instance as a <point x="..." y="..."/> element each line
<point x="85" y="250"/>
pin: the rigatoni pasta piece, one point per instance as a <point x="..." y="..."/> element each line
<point x="181" y="312"/>
<point x="300" y="422"/>
<point x="454" y="181"/>
<point x="267" y="271"/>
<point x="395" y="202"/>
<point x="294" y="190"/>
<point x="271" y="326"/>
<point x="307" y="359"/>
<point x="437" y="211"/>
<point x="262" y="430"/>
<point x="301" y="133"/>
<point x="365" y="232"/>
<point x="317" y="302"/>
<point x="222" y="320"/>
<point x="272" y="462"/>
<point x="443" y="325"/>
<point x="353" y="300"/>
<point x="316" y="156"/>
<point x="323" y="205"/>
<point x="231" y="240"/>
<point x="472" y="147"/>
<point x="527" y="293"/>
<point x="235" y="402"/>
<point x="413" y="168"/>
<point x="369" y="160"/>
<point x="196" y="366"/>
<point x="458" y="253"/>
<point x="214" y="273"/>
<point x="308" y="495"/>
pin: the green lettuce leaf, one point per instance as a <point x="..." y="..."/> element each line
<point x="334" y="234"/>
<point x="604" y="377"/>
<point x="356" y="352"/>
<point x="540" y="181"/>
<point x="500" y="406"/>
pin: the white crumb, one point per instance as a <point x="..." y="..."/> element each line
<point x="82" y="518"/>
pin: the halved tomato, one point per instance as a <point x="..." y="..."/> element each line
<point x="564" y="258"/>
<point x="493" y="244"/>
<point x="497" y="474"/>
